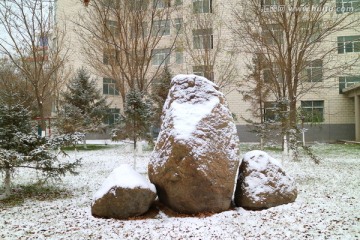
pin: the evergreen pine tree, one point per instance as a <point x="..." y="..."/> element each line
<point x="20" y="147"/>
<point x="83" y="107"/>
<point x="136" y="122"/>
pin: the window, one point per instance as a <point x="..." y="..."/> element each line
<point x="269" y="3"/>
<point x="205" y="71"/>
<point x="313" y="111"/>
<point x="203" y="38"/>
<point x="43" y="41"/>
<point x="310" y="30"/>
<point x="111" y="57"/>
<point x="179" y="57"/>
<point x="309" y="2"/>
<point x="202" y="6"/>
<point x="111" y="3"/>
<point x="314" y="71"/>
<point x="109" y="87"/>
<point x="138" y="30"/>
<point x="137" y="56"/>
<point x="347" y="6"/>
<point x="161" y="3"/>
<point x="273" y="34"/>
<point x="345" y="82"/>
<point x="138" y="5"/>
<point x="112" y="28"/>
<point x="348" y="44"/>
<point x="112" y="117"/>
<point x="160" y="56"/>
<point x="272" y="74"/>
<point x="161" y="27"/>
<point x="178" y="2"/>
<point x="178" y="24"/>
<point x="271" y="112"/>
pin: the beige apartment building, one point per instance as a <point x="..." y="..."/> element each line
<point x="338" y="102"/>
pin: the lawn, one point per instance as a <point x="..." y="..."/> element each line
<point x="327" y="206"/>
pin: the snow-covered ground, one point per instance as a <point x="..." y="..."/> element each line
<point x="327" y="206"/>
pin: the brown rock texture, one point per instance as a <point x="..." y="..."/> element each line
<point x="124" y="193"/>
<point x="262" y="183"/>
<point x="195" y="160"/>
<point x="122" y="203"/>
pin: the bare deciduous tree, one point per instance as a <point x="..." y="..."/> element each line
<point x="203" y="38"/>
<point x="31" y="42"/>
<point x="128" y="41"/>
<point x="13" y="88"/>
<point x="292" y="37"/>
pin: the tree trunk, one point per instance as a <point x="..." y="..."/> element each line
<point x="292" y="114"/>
<point x="7" y="180"/>
<point x="135" y="143"/>
<point x="285" y="153"/>
<point x="84" y="141"/>
<point x="42" y="121"/>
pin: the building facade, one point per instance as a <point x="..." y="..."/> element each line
<point x="197" y="38"/>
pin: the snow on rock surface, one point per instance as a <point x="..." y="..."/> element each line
<point x="196" y="155"/>
<point x="125" y="177"/>
<point x="125" y="193"/>
<point x="262" y="183"/>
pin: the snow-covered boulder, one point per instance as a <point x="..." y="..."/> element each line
<point x="195" y="160"/>
<point x="125" y="193"/>
<point x="262" y="183"/>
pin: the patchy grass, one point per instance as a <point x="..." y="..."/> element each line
<point x="338" y="150"/>
<point x="39" y="192"/>
<point x="246" y="147"/>
<point x="89" y="147"/>
<point x="325" y="208"/>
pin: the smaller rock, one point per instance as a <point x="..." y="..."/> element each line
<point x="262" y="183"/>
<point x="125" y="193"/>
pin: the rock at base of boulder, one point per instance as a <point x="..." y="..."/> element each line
<point x="262" y="183"/>
<point x="122" y="203"/>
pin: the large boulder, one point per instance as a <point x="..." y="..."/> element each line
<point x="125" y="193"/>
<point x="195" y="160"/>
<point x="262" y="183"/>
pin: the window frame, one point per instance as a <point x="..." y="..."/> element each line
<point x="311" y="109"/>
<point x="273" y="34"/>
<point x="179" y="57"/>
<point x="203" y="38"/>
<point x="347" y="81"/>
<point x="274" y="74"/>
<point x="202" y="6"/>
<point x="348" y="42"/>
<point x="160" y="56"/>
<point x="112" y="28"/>
<point x="271" y="112"/>
<point x="109" y="87"/>
<point x="159" y="4"/>
<point x="178" y="2"/>
<point x="111" y="57"/>
<point x="178" y="23"/>
<point x="206" y="71"/>
<point x="314" y="71"/>
<point x="43" y="41"/>
<point x="111" y="3"/>
<point x="161" y="27"/>
<point x="138" y="5"/>
<point x="343" y="6"/>
<point x="112" y="116"/>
